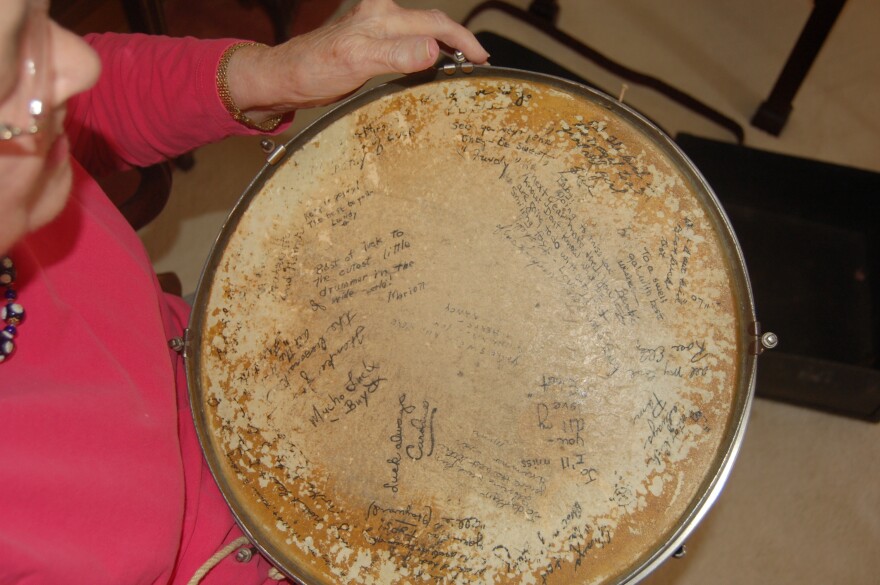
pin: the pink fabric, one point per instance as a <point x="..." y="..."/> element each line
<point x="101" y="476"/>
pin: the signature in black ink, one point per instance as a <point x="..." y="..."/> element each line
<point x="397" y="440"/>
<point x="425" y="428"/>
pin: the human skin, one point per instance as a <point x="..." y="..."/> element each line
<point x="36" y="170"/>
<point x="375" y="37"/>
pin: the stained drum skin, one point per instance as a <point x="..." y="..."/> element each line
<point x="481" y="330"/>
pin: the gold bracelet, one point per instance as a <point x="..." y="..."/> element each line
<point x="226" y="97"/>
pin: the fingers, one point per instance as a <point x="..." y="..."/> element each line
<point x="439" y="26"/>
<point x="374" y="38"/>
<point x="405" y="55"/>
<point x="389" y="21"/>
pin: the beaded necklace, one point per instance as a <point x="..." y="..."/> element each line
<point x="11" y="312"/>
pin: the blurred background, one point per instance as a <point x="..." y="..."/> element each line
<point x="799" y="178"/>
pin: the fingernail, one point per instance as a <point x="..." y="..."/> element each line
<point x="427" y="49"/>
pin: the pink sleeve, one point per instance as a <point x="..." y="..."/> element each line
<point x="156" y="99"/>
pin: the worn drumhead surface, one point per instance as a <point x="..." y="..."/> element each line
<point x="485" y="329"/>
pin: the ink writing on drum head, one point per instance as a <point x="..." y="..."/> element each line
<point x="488" y="337"/>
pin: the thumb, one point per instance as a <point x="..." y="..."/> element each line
<point x="407" y="54"/>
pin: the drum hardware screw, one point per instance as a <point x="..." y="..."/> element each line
<point x="275" y="154"/>
<point x="176" y="343"/>
<point x="244" y="554"/>
<point x="680" y="553"/>
<point x="461" y="63"/>
<point x="761" y="342"/>
<point x="769" y="340"/>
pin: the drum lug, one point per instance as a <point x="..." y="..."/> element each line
<point x="244" y="554"/>
<point x="461" y="64"/>
<point x="275" y="154"/>
<point x="761" y="341"/>
<point x="179" y="343"/>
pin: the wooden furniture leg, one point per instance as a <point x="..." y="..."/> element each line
<point x="773" y="113"/>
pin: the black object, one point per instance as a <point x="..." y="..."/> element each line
<point x="773" y="113"/>
<point x="147" y="16"/>
<point x="809" y="237"/>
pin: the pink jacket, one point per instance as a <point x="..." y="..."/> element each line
<point x="101" y="475"/>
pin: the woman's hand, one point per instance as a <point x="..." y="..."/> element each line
<point x="376" y="37"/>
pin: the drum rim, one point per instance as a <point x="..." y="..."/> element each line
<point x="717" y="473"/>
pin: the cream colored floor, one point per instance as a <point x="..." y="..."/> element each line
<point x="802" y="505"/>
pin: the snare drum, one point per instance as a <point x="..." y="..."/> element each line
<point x="473" y="326"/>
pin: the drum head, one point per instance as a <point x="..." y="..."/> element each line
<point x="479" y="328"/>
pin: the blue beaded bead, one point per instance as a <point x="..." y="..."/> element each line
<point x="12" y="313"/>
<point x="7" y="273"/>
<point x="6" y="349"/>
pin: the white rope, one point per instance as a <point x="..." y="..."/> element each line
<point x="215" y="560"/>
